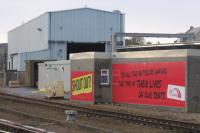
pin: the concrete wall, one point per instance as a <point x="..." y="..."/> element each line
<point x="192" y="71"/>
<point x="102" y="92"/>
<point x="29" y="74"/>
<point x="152" y="56"/>
<point x="93" y="61"/>
<point x="193" y="78"/>
<point x="83" y="65"/>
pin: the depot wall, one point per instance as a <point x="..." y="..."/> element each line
<point x="138" y="89"/>
<point x="178" y="63"/>
<point x="167" y="79"/>
<point x="45" y="37"/>
<point x="193" y="76"/>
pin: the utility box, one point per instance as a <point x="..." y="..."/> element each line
<point x="86" y="73"/>
<point x="157" y="78"/>
<point x="54" y="78"/>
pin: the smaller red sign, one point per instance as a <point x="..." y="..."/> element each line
<point x="82" y="85"/>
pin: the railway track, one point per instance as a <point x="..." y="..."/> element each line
<point x="52" y="121"/>
<point x="89" y="111"/>
<point x="11" y="127"/>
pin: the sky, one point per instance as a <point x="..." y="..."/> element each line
<point x="149" y="16"/>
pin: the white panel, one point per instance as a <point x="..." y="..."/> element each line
<point x="52" y="72"/>
<point x="85" y="25"/>
<point x="31" y="36"/>
<point x="90" y="55"/>
<point x="176" y="92"/>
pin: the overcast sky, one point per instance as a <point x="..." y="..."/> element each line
<point x="165" y="16"/>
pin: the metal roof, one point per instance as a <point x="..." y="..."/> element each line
<point x="161" y="35"/>
<point x="87" y="8"/>
<point x="160" y="47"/>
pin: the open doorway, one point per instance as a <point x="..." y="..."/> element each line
<point x="31" y="73"/>
<point x="84" y="47"/>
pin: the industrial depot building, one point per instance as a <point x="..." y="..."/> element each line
<point x="54" y="35"/>
<point x="70" y="51"/>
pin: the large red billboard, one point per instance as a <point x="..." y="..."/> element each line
<point x="152" y="83"/>
<point x="82" y="85"/>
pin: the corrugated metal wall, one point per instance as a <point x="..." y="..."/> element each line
<point x="85" y="25"/>
<point x="58" y="51"/>
<point x="55" y="52"/>
<point x="30" y="41"/>
<point x="39" y="55"/>
<point x="31" y="36"/>
<point x="78" y="25"/>
<point x="15" y="62"/>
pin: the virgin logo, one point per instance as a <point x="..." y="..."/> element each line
<point x="176" y="92"/>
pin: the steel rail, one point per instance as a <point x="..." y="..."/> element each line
<point x="50" y="120"/>
<point x="8" y="126"/>
<point x="89" y="111"/>
<point x="59" y="122"/>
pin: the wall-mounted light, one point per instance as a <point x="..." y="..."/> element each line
<point x="39" y="29"/>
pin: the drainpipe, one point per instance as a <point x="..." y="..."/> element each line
<point x="113" y="42"/>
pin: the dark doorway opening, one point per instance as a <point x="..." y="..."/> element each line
<point x="31" y="73"/>
<point x="84" y="47"/>
<point x="36" y="73"/>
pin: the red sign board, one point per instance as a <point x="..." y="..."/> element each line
<point x="153" y="83"/>
<point x="82" y="85"/>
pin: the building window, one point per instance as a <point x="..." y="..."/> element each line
<point x="104" y="76"/>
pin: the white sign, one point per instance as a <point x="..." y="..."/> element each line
<point x="176" y="92"/>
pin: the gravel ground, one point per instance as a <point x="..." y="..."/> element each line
<point x="150" y="111"/>
<point x="154" y="112"/>
<point x="52" y="127"/>
<point x="107" y="124"/>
